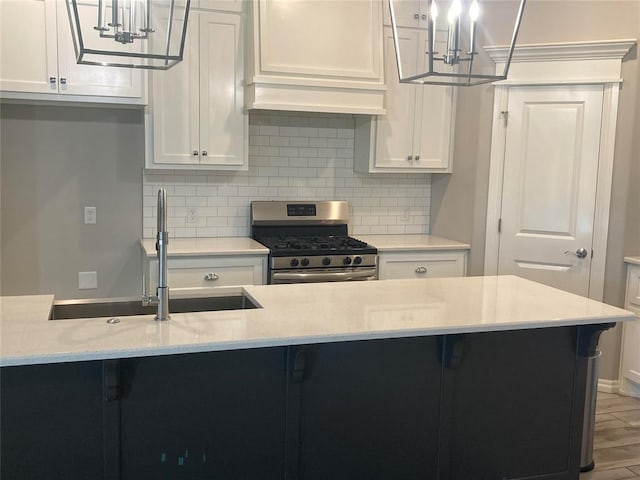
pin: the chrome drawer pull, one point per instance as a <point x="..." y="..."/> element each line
<point x="421" y="269"/>
<point x="211" y="277"/>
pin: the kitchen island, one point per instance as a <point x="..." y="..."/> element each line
<point x="458" y="378"/>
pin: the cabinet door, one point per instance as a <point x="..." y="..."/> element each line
<point x="175" y="107"/>
<point x="631" y="336"/>
<point x="223" y="5"/>
<point x="204" y="416"/>
<point x="223" y="122"/>
<point x="407" y="13"/>
<point x="369" y="410"/>
<point x="394" y="135"/>
<point x="51" y="422"/>
<point x="508" y="422"/>
<point x="28" y="46"/>
<point x="434" y="121"/>
<point x="91" y="79"/>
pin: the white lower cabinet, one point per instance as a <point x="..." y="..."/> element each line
<point x="37" y="57"/>
<point x="397" y="265"/>
<point x="208" y="273"/>
<point x="630" y="366"/>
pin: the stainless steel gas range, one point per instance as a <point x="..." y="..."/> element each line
<point x="309" y="242"/>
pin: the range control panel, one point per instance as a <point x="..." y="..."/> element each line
<point x="301" y="210"/>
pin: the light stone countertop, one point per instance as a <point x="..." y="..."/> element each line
<point x="187" y="247"/>
<point x="300" y="314"/>
<point x="179" y="247"/>
<point x="632" y="260"/>
<point x="398" y="243"/>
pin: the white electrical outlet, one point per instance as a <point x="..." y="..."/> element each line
<point x="192" y="214"/>
<point x="90" y="215"/>
<point x="405" y="215"/>
<point x="87" y="280"/>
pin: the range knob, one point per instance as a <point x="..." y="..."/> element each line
<point x="326" y="261"/>
<point x="346" y="260"/>
<point x="304" y="262"/>
<point x="294" y="262"/>
<point x="357" y="260"/>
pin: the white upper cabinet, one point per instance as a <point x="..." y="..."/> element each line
<point x="409" y="13"/>
<point x="37" y="57"/>
<point x="196" y="117"/>
<point x="319" y="56"/>
<point x="417" y="132"/>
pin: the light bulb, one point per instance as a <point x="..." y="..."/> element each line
<point x="454" y="11"/>
<point x="434" y="11"/>
<point x="474" y="10"/>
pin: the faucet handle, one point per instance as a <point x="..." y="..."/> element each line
<point x="150" y="300"/>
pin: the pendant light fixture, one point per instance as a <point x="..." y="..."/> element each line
<point x="447" y="33"/>
<point x="147" y="34"/>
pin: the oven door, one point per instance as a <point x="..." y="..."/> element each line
<point x="323" y="275"/>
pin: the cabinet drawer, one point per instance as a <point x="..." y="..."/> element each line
<point x="422" y="265"/>
<point x="210" y="277"/>
<point x="210" y="272"/>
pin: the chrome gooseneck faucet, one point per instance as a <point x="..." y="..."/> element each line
<point x="162" y="241"/>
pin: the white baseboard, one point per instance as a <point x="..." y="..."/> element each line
<point x="608" y="386"/>
<point x="629" y="388"/>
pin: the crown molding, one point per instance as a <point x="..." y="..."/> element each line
<point x="600" y="50"/>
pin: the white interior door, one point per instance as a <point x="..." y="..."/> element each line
<point x="549" y="188"/>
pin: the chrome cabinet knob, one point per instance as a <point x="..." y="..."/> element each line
<point x="63" y="81"/>
<point x="421" y="269"/>
<point x="424" y="16"/>
<point x="409" y="158"/>
<point x="417" y="157"/>
<point x="580" y="253"/>
<point x="416" y="16"/>
<point x="204" y="153"/>
<point x="211" y="277"/>
<point x="52" y="80"/>
<point x="194" y="153"/>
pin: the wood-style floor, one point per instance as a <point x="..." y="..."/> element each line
<point x="616" y="442"/>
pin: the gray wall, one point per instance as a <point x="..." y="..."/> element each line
<point x="459" y="201"/>
<point x="53" y="162"/>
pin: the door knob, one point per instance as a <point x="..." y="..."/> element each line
<point x="580" y="253"/>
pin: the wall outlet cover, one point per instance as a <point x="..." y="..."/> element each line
<point x="87" y="280"/>
<point x="192" y="214"/>
<point x="90" y="215"/>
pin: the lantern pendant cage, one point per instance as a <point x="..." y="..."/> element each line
<point x="447" y="53"/>
<point x="148" y="34"/>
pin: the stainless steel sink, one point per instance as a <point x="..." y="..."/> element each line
<point x="122" y="307"/>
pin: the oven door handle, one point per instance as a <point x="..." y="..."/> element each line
<point x="301" y="277"/>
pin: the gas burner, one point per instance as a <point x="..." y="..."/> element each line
<point x="313" y="244"/>
<point x="308" y="242"/>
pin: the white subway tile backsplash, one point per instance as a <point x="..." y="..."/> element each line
<point x="292" y="156"/>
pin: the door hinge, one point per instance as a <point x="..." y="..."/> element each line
<point x="504" y="114"/>
<point x="499" y="225"/>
